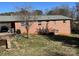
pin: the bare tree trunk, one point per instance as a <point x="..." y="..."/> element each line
<point x="47" y="28"/>
<point x="27" y="29"/>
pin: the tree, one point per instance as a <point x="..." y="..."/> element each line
<point x="25" y="13"/>
<point x="77" y="10"/>
<point x="38" y="12"/>
<point x="76" y="17"/>
<point x="7" y="13"/>
<point x="60" y="10"/>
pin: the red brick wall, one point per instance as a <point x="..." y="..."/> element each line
<point x="58" y="27"/>
<point x="18" y="26"/>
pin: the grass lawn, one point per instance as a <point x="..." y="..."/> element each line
<point x="42" y="45"/>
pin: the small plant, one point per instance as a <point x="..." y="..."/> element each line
<point x="18" y="31"/>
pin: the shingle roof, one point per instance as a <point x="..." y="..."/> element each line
<point x="52" y="17"/>
<point x="41" y="17"/>
<point x="9" y="18"/>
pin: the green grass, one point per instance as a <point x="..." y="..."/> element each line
<point x="39" y="45"/>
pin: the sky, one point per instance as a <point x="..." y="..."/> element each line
<point x="11" y="6"/>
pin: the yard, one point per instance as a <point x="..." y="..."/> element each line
<point x="42" y="45"/>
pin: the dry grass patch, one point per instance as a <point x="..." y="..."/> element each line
<point x="39" y="46"/>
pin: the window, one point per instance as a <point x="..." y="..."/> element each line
<point x="39" y="22"/>
<point x="23" y="23"/>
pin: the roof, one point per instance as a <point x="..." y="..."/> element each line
<point x="52" y="17"/>
<point x="9" y="18"/>
<point x="41" y="17"/>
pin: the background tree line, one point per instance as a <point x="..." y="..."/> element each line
<point x="57" y="10"/>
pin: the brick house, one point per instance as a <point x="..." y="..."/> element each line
<point x="56" y="24"/>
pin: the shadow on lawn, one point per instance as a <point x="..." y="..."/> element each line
<point x="66" y="40"/>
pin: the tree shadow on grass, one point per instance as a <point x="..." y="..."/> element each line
<point x="66" y="40"/>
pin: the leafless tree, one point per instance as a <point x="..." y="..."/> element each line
<point x="25" y="13"/>
<point x="77" y="10"/>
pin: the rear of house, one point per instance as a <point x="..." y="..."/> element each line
<point x="55" y="24"/>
